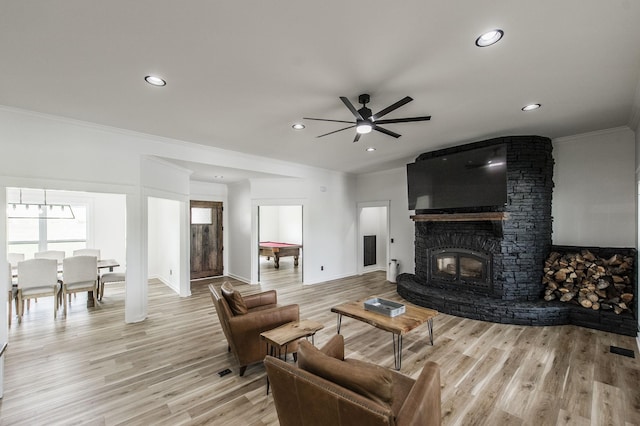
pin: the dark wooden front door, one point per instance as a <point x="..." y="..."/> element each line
<point x="206" y="239"/>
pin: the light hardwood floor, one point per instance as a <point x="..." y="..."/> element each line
<point x="92" y="368"/>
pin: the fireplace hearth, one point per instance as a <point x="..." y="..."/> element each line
<point x="488" y="264"/>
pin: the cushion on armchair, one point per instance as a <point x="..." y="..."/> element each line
<point x="368" y="380"/>
<point x="334" y="347"/>
<point x="234" y="299"/>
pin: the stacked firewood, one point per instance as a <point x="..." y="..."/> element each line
<point x="591" y="281"/>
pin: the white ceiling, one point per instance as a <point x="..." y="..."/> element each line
<point x="241" y="73"/>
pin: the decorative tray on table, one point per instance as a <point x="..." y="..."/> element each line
<point x="384" y="307"/>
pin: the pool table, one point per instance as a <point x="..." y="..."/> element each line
<point x="278" y="250"/>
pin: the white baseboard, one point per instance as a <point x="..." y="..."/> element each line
<point x="331" y="278"/>
<point x="166" y="282"/>
<point x="239" y="278"/>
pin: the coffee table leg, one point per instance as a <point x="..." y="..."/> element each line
<point x="339" y="322"/>
<point x="430" y="326"/>
<point x="397" y="350"/>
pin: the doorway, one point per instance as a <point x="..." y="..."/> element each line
<point x="373" y="237"/>
<point x="280" y="245"/>
<point x="206" y="239"/>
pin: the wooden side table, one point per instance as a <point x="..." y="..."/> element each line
<point x="279" y="338"/>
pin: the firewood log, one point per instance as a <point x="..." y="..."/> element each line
<point x="588" y="255"/>
<point x="586" y="303"/>
<point x="626" y="297"/>
<point x="567" y="296"/>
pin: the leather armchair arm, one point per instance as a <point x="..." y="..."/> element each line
<point x="246" y="330"/>
<point x="260" y="299"/>
<point x="422" y="406"/>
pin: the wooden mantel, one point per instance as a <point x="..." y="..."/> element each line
<point x="460" y="217"/>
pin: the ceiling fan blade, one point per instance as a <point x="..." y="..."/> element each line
<point x="404" y="120"/>
<point x="357" y="138"/>
<point x="336" y="131"/>
<point x="390" y="108"/>
<point x="325" y="119"/>
<point x="386" y="132"/>
<point x="353" y="110"/>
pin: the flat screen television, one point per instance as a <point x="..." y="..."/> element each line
<point x="471" y="179"/>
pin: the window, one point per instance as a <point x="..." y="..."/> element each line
<point x="29" y="236"/>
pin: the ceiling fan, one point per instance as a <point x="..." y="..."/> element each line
<point x="366" y="122"/>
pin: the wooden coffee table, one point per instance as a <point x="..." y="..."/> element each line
<point x="400" y="325"/>
<point x="279" y="338"/>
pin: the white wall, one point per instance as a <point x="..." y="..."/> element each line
<point x="391" y="185"/>
<point x="240" y="243"/>
<point x="269" y="228"/>
<point x="164" y="241"/>
<point x="290" y="224"/>
<point x="594" y="194"/>
<point x="109" y="233"/>
<point x="4" y="286"/>
<point x="281" y="223"/>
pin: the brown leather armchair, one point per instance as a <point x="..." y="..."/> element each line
<point x="326" y="389"/>
<point x="243" y="330"/>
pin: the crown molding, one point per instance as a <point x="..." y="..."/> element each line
<point x="602" y="132"/>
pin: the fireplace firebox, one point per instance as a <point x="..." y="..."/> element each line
<point x="460" y="266"/>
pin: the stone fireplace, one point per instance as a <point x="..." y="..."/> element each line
<point x="487" y="264"/>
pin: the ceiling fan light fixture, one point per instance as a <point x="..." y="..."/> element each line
<point x="155" y="81"/>
<point x="298" y="126"/>
<point x="531" y="107"/>
<point x="363" y="128"/>
<point x="371" y="149"/>
<point x="489" y="38"/>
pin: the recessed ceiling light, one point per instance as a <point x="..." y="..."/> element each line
<point x="489" y="38"/>
<point x="371" y="149"/>
<point x="531" y="107"/>
<point x="155" y="81"/>
<point x="298" y="126"/>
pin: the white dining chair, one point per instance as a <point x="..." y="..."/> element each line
<point x="50" y="254"/>
<point x="80" y="273"/>
<point x="12" y="297"/>
<point x="13" y="259"/>
<point x="87" y="252"/>
<point x="37" y="278"/>
<point x="109" y="277"/>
